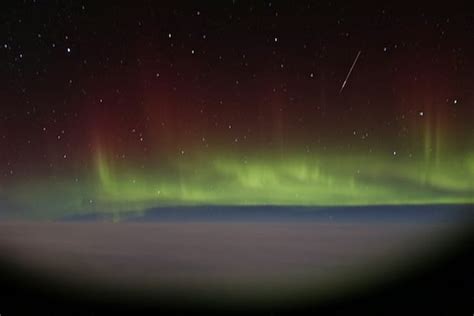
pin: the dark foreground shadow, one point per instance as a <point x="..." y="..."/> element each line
<point x="444" y="285"/>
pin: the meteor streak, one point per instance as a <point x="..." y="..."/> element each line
<point x="350" y="71"/>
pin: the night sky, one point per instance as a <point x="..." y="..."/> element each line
<point x="125" y="106"/>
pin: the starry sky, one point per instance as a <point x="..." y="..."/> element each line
<point x="125" y="106"/>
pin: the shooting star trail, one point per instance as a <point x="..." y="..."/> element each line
<point x="350" y="71"/>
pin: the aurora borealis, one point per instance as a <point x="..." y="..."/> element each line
<point x="119" y="108"/>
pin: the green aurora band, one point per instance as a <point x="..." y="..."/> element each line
<point x="265" y="179"/>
